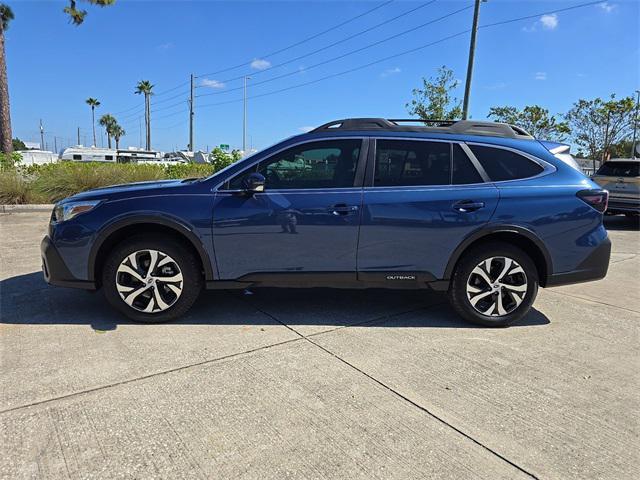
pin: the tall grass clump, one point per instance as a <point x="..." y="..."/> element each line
<point x="16" y="189"/>
<point x="59" y="180"/>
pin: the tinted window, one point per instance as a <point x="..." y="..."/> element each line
<point x="620" y="169"/>
<point x="463" y="170"/>
<point x="325" y="164"/>
<point x="77" y="157"/>
<point x="503" y="164"/>
<point x="403" y="163"/>
<point x="108" y="157"/>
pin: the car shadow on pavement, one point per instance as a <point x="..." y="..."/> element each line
<point x="621" y="222"/>
<point x="27" y="299"/>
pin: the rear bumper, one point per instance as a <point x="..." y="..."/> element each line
<point x="619" y="204"/>
<point x="55" y="270"/>
<point x="594" y="267"/>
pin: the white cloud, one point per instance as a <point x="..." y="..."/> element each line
<point x="540" y="76"/>
<point x="165" y="46"/>
<point x="390" y="71"/>
<point x="607" y="7"/>
<point x="496" y="86"/>
<point x="305" y="129"/>
<point x="260" y="64"/>
<point x="211" y="83"/>
<point x="550" y="22"/>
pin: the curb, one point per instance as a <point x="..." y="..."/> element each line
<point x="26" y="208"/>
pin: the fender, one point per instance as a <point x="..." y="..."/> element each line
<point x="492" y="229"/>
<point x="163" y="219"/>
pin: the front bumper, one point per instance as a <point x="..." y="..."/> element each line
<point x="56" y="272"/>
<point x="594" y="267"/>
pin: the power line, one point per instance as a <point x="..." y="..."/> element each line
<point x="346" y="39"/>
<point x="301" y="41"/>
<point x="406" y="52"/>
<point x="339" y="57"/>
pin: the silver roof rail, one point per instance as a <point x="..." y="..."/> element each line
<point x="466" y="127"/>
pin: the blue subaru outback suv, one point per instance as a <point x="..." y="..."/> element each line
<point x="479" y="209"/>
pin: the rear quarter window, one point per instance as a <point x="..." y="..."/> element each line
<point x="503" y="164"/>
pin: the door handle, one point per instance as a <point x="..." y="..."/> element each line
<point x="342" y="209"/>
<point x="467" y="206"/>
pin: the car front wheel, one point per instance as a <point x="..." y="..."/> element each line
<point x="152" y="280"/>
<point x="494" y="285"/>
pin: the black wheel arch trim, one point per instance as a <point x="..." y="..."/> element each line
<point x="159" y="219"/>
<point x="493" y="229"/>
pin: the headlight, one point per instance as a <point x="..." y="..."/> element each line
<point x="66" y="211"/>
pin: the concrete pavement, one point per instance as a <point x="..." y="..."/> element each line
<point x="317" y="383"/>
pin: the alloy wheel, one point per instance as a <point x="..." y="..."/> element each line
<point x="496" y="286"/>
<point x="149" y="281"/>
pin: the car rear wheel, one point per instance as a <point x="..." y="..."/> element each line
<point x="494" y="285"/>
<point x="152" y="280"/>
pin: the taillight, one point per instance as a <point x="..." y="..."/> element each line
<point x="597" y="199"/>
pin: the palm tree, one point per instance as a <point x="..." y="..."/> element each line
<point x="6" y="15"/>
<point x="145" y="87"/>
<point x="93" y="103"/>
<point x="108" y="122"/>
<point x="118" y="132"/>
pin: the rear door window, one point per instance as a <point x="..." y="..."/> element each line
<point x="501" y="164"/>
<point x="619" y="169"/>
<point x="406" y="163"/>
<point x="463" y="170"/>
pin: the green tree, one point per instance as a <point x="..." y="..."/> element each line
<point x="6" y="15"/>
<point x="93" y="103"/>
<point x="434" y="101"/>
<point x="18" y="144"/>
<point x="118" y="132"/>
<point x="145" y="88"/>
<point x="598" y="124"/>
<point x="534" y="119"/>
<point x="76" y="15"/>
<point x="108" y="122"/>
<point x="221" y="159"/>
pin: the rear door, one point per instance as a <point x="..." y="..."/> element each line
<point x="421" y="199"/>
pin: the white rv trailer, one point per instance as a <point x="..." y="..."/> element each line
<point x="89" y="154"/>
<point x="37" y="157"/>
<point x="135" y="155"/>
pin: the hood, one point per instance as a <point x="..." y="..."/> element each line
<point x="126" y="190"/>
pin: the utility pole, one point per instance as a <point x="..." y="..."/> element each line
<point x="635" y="125"/>
<point x="78" y="135"/>
<point x="55" y="144"/>
<point x="472" y="52"/>
<point x="191" y="117"/>
<point x="41" y="136"/>
<point x="244" y="117"/>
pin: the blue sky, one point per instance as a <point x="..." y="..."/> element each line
<point x="53" y="66"/>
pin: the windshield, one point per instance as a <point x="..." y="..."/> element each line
<point x="620" y="169"/>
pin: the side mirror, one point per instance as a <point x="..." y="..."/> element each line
<point x="254" y="183"/>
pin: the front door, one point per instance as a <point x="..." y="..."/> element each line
<point x="305" y="221"/>
<point x="421" y="200"/>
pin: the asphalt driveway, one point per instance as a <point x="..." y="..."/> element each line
<point x="315" y="383"/>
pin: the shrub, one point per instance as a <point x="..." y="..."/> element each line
<point x="9" y="161"/>
<point x="55" y="181"/>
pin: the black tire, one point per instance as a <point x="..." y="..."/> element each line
<point x="474" y="257"/>
<point x="186" y="261"/>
